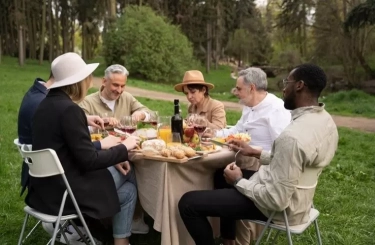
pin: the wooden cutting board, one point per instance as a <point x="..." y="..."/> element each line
<point x="171" y="159"/>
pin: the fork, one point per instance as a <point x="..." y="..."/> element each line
<point x="235" y="156"/>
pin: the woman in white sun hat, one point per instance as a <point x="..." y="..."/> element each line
<point x="102" y="191"/>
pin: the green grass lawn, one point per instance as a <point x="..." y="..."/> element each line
<point x="345" y="194"/>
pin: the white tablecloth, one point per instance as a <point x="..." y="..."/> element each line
<point x="162" y="184"/>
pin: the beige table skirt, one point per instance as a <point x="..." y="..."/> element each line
<point x="162" y="184"/>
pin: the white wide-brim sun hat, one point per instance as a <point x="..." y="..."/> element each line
<point x="70" y="68"/>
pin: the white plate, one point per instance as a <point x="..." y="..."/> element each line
<point x="119" y="131"/>
<point x="218" y="148"/>
<point x="149" y="133"/>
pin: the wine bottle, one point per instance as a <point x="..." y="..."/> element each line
<point x="176" y="120"/>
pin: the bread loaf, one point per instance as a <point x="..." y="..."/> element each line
<point x="155" y="144"/>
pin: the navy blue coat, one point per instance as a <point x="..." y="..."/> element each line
<point x="61" y="125"/>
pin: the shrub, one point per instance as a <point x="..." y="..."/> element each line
<point x="148" y="45"/>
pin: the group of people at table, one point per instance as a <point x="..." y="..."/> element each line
<point x="294" y="134"/>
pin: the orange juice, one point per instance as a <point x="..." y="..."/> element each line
<point x="165" y="134"/>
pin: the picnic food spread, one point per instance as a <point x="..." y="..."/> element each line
<point x="239" y="136"/>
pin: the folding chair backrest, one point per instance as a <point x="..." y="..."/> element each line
<point x="42" y="163"/>
<point x="309" y="178"/>
<point x="17" y="143"/>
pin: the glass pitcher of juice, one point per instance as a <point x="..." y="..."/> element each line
<point x="165" y="130"/>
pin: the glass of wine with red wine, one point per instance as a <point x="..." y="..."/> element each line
<point x="154" y="119"/>
<point x="200" y="125"/>
<point x="128" y="124"/>
<point x="106" y="116"/>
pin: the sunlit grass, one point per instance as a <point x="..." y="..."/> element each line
<point x="345" y="195"/>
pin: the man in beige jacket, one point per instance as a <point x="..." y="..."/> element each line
<point x="309" y="141"/>
<point x="112" y="97"/>
<point x="114" y="100"/>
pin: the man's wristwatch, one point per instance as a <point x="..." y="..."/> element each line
<point x="237" y="180"/>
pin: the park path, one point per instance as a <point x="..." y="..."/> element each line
<point x="360" y="123"/>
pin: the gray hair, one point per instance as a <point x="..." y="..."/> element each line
<point x="116" y="69"/>
<point x="255" y="76"/>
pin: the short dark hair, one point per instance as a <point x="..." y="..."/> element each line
<point x="198" y="87"/>
<point x="312" y="75"/>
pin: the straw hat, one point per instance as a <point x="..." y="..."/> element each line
<point x="192" y="77"/>
<point x="70" y="68"/>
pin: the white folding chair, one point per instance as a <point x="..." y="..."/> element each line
<point x="17" y="143"/>
<point x="45" y="163"/>
<point x="308" y="180"/>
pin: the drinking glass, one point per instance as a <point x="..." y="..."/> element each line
<point x="209" y="133"/>
<point x="174" y="139"/>
<point x="154" y="119"/>
<point x="128" y="124"/>
<point x="190" y="118"/>
<point x="106" y="116"/>
<point x="200" y="125"/>
<point x="164" y="128"/>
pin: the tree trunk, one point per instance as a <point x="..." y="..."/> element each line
<point x="209" y="46"/>
<point x="21" y="57"/>
<point x="50" y="34"/>
<point x="304" y="35"/>
<point x="23" y="31"/>
<point x="1" y="49"/>
<point x="43" y="33"/>
<point x="64" y="25"/>
<point x="370" y="72"/>
<point x="31" y="33"/>
<point x="84" y="40"/>
<point x="57" y="31"/>
<point x="217" y="35"/>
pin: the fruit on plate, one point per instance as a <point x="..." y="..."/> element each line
<point x="195" y="139"/>
<point x="189" y="132"/>
<point x="239" y="136"/>
<point x="185" y="139"/>
<point x="221" y="140"/>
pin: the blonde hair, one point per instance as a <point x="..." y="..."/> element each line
<point x="78" y="91"/>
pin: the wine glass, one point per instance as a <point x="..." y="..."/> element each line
<point x="106" y="116"/>
<point x="190" y="118"/>
<point x="200" y="125"/>
<point x="128" y="124"/>
<point x="154" y="119"/>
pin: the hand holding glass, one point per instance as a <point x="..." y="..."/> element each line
<point x="128" y="124"/>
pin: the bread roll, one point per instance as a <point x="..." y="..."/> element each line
<point x="155" y="144"/>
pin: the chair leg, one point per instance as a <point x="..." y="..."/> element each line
<point x="62" y="232"/>
<point x="55" y="231"/>
<point x="317" y="232"/>
<point x="20" y="240"/>
<point x="265" y="228"/>
<point x="79" y="232"/>
<point x="32" y="230"/>
<point x="287" y="229"/>
<point x="275" y="238"/>
<point x="269" y="235"/>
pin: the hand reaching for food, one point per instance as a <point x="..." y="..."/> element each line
<point x="131" y="142"/>
<point x="110" y="141"/>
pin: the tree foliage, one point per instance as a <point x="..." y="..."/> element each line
<point x="149" y="47"/>
<point x="361" y="15"/>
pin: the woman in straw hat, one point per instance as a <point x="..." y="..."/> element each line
<point x="60" y="124"/>
<point x="196" y="91"/>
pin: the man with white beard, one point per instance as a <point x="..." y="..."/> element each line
<point x="264" y="118"/>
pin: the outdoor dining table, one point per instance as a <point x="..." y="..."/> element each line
<point x="162" y="184"/>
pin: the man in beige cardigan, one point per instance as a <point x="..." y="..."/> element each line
<point x="113" y="99"/>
